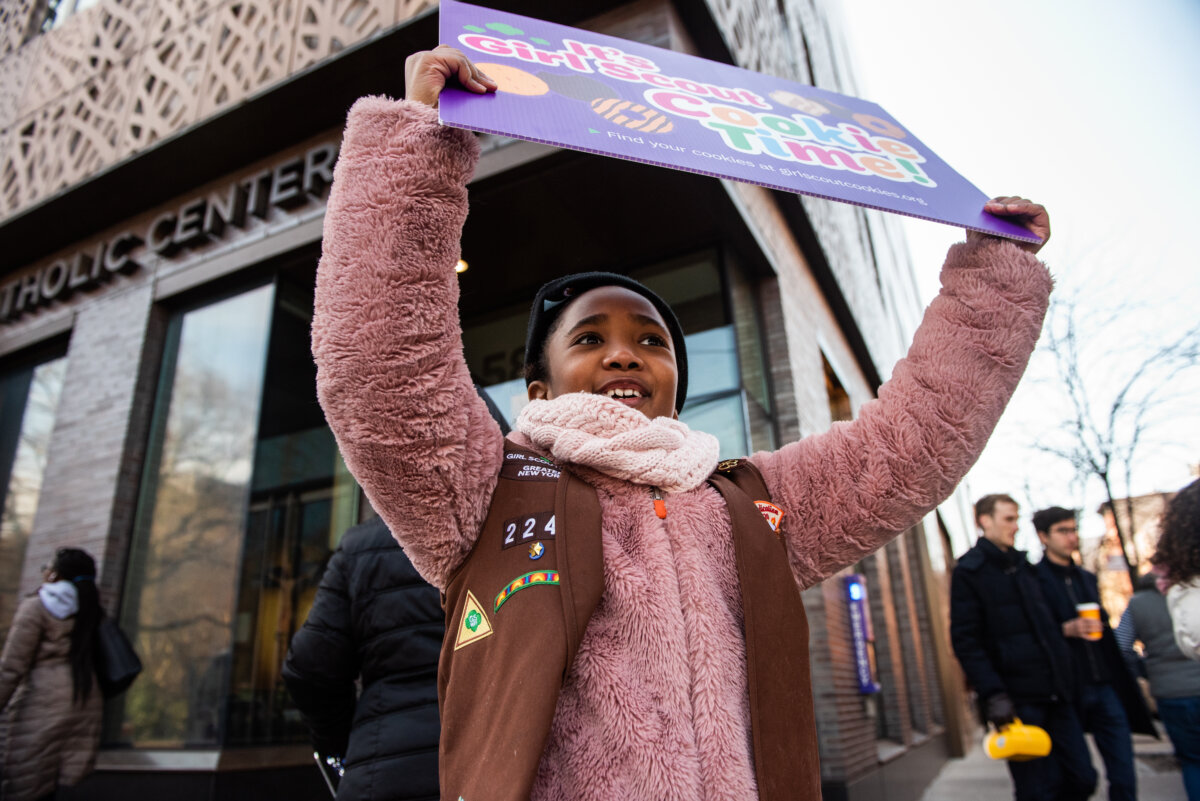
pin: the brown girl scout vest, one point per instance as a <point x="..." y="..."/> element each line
<point x="517" y="609"/>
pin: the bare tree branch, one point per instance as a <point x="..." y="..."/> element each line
<point x="1104" y="429"/>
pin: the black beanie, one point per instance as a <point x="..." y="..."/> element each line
<point x="556" y="295"/>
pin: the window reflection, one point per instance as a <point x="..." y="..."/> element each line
<point x="716" y="401"/>
<point x="179" y="596"/>
<point x="724" y="418"/>
<point x="302" y="499"/>
<point x="245" y="498"/>
<point x="28" y="402"/>
<point x="712" y="362"/>
<point x="840" y="408"/>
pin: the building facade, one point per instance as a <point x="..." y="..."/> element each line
<point x="164" y="166"/>
<point x="1140" y="517"/>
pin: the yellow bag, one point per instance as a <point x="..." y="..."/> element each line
<point x="1017" y="742"/>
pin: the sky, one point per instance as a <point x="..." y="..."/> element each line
<point x="1089" y="107"/>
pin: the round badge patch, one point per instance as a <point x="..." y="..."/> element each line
<point x="537" y="550"/>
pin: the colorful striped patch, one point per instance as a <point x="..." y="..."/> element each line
<point x="527" y="580"/>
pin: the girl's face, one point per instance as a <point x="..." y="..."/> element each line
<point x="612" y="341"/>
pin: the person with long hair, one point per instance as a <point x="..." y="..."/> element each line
<point x="1173" y="680"/>
<point x="1177" y="558"/>
<point x="1177" y="564"/>
<point x="48" y="682"/>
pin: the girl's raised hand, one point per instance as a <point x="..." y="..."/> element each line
<point x="1032" y="216"/>
<point x="426" y="74"/>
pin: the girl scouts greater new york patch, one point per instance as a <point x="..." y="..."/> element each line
<point x="474" y="625"/>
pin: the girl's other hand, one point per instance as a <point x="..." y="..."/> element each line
<point x="426" y="74"/>
<point x="1032" y="216"/>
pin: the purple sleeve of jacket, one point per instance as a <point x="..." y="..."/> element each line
<point x="849" y="490"/>
<point x="386" y="336"/>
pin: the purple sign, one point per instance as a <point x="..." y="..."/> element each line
<point x="585" y="91"/>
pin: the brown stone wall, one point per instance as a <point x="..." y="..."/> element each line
<point x="89" y="486"/>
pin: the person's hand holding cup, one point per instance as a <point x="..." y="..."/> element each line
<point x="1087" y="626"/>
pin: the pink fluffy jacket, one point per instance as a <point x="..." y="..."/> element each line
<point x="656" y="705"/>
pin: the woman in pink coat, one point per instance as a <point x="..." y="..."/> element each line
<point x="655" y="703"/>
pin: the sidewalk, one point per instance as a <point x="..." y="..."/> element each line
<point x="978" y="778"/>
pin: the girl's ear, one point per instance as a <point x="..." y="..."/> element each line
<point x="538" y="390"/>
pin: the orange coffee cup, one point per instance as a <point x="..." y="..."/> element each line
<point x="1090" y="611"/>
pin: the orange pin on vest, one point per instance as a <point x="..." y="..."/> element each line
<point x="660" y="506"/>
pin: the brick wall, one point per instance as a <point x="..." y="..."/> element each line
<point x="90" y="479"/>
<point x="908" y="620"/>
<point x="846" y="733"/>
<point x="893" y="697"/>
<point x="914" y="547"/>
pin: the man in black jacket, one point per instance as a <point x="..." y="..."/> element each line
<point x="375" y="617"/>
<point x="1109" y="699"/>
<point x="1014" y="655"/>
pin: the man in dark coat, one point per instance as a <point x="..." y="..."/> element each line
<point x="375" y="617"/>
<point x="1109" y="700"/>
<point x="1014" y="655"/>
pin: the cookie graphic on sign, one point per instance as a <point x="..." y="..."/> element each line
<point x="474" y="625"/>
<point x="803" y="104"/>
<point x="576" y="87"/>
<point x="513" y="80"/>
<point x="632" y="115"/>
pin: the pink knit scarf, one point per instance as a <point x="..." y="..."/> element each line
<point x="605" y="435"/>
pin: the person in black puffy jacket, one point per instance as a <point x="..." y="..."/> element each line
<point x="375" y="617"/>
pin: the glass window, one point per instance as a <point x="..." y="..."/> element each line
<point x="715" y="401"/>
<point x="712" y="362"/>
<point x="725" y="418"/>
<point x="302" y="499"/>
<point x="244" y="500"/>
<point x="182" y="576"/>
<point x="840" y="409"/>
<point x="28" y="402"/>
<point x="494" y="346"/>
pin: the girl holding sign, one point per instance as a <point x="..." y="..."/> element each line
<point x="623" y="611"/>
